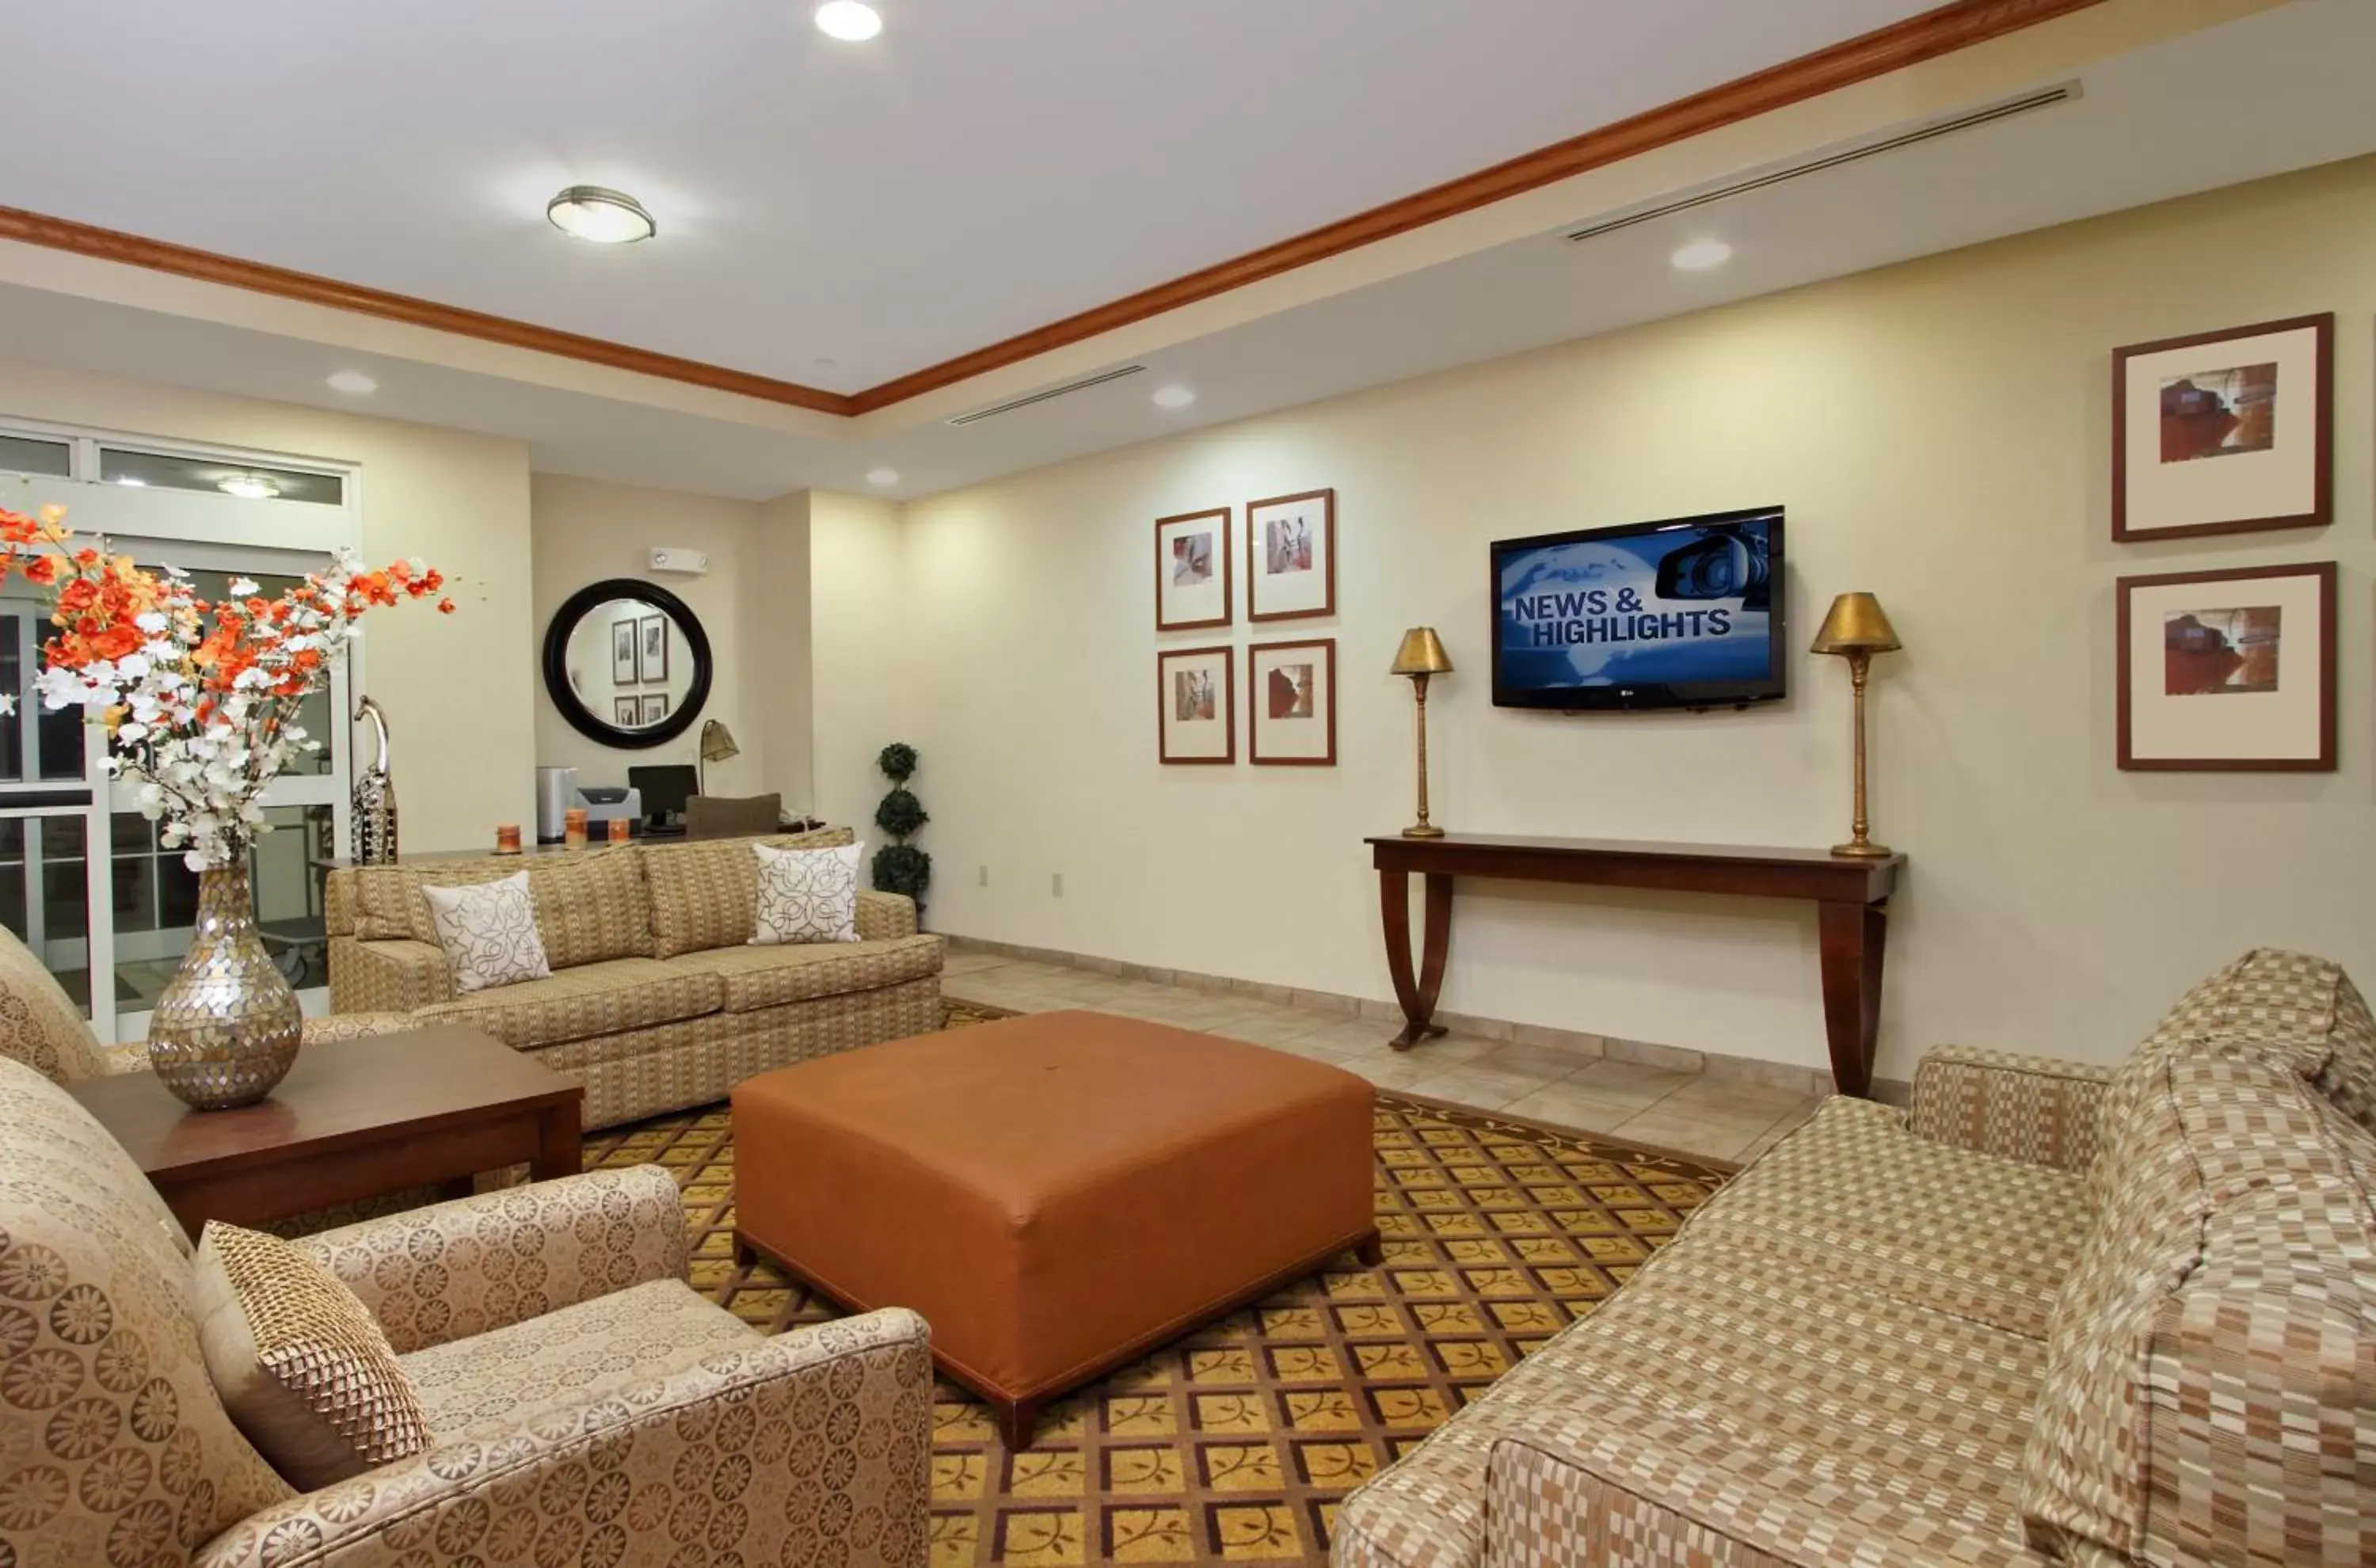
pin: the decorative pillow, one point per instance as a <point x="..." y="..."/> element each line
<point x="705" y="892"/>
<point x="303" y="1369"/>
<point x="489" y="934"/>
<point x="807" y="895"/>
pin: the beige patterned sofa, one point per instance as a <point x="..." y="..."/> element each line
<point x="2050" y="1313"/>
<point x="657" y="1001"/>
<point x="585" y="1406"/>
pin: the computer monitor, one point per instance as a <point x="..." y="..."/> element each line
<point x="665" y="790"/>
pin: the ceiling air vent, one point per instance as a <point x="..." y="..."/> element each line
<point x="1854" y="152"/>
<point x="1064" y="391"/>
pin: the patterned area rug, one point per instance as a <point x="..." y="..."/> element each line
<point x="1236" y="1443"/>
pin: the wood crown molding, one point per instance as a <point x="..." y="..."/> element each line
<point x="1953" y="26"/>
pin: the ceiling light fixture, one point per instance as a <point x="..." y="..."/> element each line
<point x="1701" y="256"/>
<point x="599" y="215"/>
<point x="1173" y="397"/>
<point x="353" y="382"/>
<point x="129" y="482"/>
<point x="852" y="21"/>
<point x="249" y="487"/>
<point x="884" y="478"/>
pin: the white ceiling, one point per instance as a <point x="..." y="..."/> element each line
<point x="832" y="214"/>
<point x="2139" y="134"/>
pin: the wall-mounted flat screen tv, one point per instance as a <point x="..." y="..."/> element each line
<point x="1686" y="613"/>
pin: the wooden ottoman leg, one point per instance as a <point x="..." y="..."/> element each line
<point x="1018" y="1422"/>
<point x="1371" y="1250"/>
<point x="746" y="1254"/>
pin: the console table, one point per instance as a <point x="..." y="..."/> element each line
<point x="1849" y="896"/>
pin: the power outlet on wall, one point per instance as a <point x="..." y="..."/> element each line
<point x="1056" y="885"/>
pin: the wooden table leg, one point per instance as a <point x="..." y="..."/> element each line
<point x="557" y="1151"/>
<point x="1852" y="937"/>
<point x="1416" y="995"/>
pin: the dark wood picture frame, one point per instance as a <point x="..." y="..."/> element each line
<point x="654" y="708"/>
<point x="1327" y="499"/>
<point x="626" y="645"/>
<point x="1162" y="568"/>
<point x="2322" y="507"/>
<point x="1229" y="714"/>
<point x="2329" y="665"/>
<point x="652" y="657"/>
<point x="626" y="712"/>
<point x="1255" y="703"/>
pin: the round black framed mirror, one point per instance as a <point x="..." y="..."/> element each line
<point x="627" y="663"/>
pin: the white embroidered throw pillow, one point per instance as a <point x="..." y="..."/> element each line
<point x="489" y="933"/>
<point x="807" y="895"/>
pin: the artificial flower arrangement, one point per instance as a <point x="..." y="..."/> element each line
<point x="199" y="698"/>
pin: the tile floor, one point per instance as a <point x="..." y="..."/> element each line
<point x="1687" y="1113"/>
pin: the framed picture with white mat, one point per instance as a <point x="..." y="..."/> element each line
<point x="2228" y="671"/>
<point x="2224" y="431"/>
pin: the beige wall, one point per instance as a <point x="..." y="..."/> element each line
<point x="1939" y="432"/>
<point x="586" y="531"/>
<point x="455" y="689"/>
<point x="776" y="686"/>
<point x="864" y="643"/>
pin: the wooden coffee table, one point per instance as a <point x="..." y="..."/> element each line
<point x="352" y="1119"/>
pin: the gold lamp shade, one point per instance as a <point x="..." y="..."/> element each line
<point x="718" y="742"/>
<point x="1857" y="624"/>
<point x="1421" y="654"/>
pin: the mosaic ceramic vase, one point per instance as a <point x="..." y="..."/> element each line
<point x="226" y="1026"/>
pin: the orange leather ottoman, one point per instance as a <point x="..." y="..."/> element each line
<point x="1056" y="1193"/>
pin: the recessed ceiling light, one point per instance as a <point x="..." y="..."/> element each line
<point x="1701" y="256"/>
<point x="605" y="217"/>
<point x="131" y="483"/>
<point x="353" y="382"/>
<point x="1173" y="398"/>
<point x="852" y="21"/>
<point x="249" y="487"/>
<point x="885" y="477"/>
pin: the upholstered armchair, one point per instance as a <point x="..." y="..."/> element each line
<point x="584" y="1406"/>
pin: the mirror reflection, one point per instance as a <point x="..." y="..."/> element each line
<point x="630" y="665"/>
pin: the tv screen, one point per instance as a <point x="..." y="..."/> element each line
<point x="1686" y="613"/>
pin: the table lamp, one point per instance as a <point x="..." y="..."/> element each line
<point x="1421" y="656"/>
<point x="717" y="745"/>
<point x="1855" y="629"/>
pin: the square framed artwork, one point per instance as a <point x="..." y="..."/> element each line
<point x="625" y="712"/>
<point x="623" y="639"/>
<point x="1291" y="557"/>
<point x="1196" y="705"/>
<point x="652" y="650"/>
<point x="1191" y="571"/>
<point x="2226" y="432"/>
<point x="654" y="708"/>
<point x="1292" y="688"/>
<point x="2228" y="671"/>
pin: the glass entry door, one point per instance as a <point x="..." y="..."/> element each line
<point x="83" y="880"/>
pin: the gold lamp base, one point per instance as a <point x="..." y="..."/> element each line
<point x="1423" y="830"/>
<point x="1863" y="849"/>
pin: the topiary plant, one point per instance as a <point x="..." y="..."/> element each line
<point x="899" y="866"/>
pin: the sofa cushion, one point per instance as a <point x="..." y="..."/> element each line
<point x="302" y="1367"/>
<point x="388" y="902"/>
<point x="111" y="1420"/>
<point x="612" y="997"/>
<point x="1858" y="1196"/>
<point x="490" y="1385"/>
<point x="706" y="894"/>
<point x="2213" y="1356"/>
<point x="589" y="905"/>
<point x="40" y="1025"/>
<point x="770" y="977"/>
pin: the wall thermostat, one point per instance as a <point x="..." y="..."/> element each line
<point x="691" y="562"/>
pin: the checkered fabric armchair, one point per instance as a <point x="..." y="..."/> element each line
<point x="2051" y="1313"/>
<point x="584" y="1406"/>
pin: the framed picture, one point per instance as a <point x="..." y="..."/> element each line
<point x="2228" y="671"/>
<point x="1191" y="571"/>
<point x="625" y="712"/>
<point x="1291" y="557"/>
<point x="622" y="652"/>
<point x="1293" y="689"/>
<point x="2225" y="432"/>
<point x="652" y="656"/>
<point x="654" y="708"/>
<point x="1197" y="696"/>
